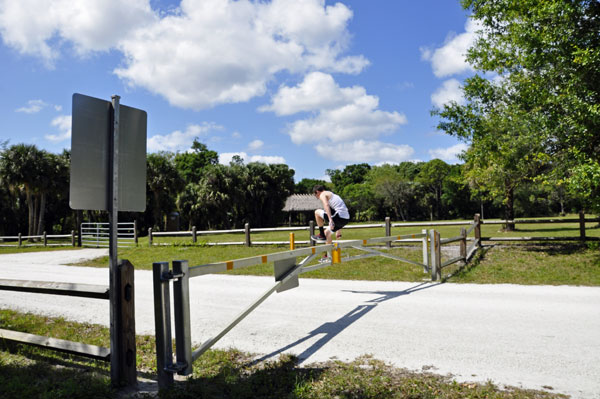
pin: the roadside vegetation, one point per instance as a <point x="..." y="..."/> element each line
<point x="30" y="372"/>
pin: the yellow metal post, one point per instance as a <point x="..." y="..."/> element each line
<point x="292" y="242"/>
<point x="336" y="254"/>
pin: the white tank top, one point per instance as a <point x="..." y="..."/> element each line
<point x="337" y="204"/>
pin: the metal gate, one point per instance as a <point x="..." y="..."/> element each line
<point x="97" y="235"/>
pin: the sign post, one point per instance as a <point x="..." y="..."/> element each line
<point x="108" y="172"/>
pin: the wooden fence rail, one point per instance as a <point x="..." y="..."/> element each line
<point x="125" y="318"/>
<point x="387" y="226"/>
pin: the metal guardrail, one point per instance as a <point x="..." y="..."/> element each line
<point x="98" y="234"/>
<point x="286" y="272"/>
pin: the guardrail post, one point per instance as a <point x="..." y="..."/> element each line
<point x="311" y="232"/>
<point x="292" y="242"/>
<point x="150" y="236"/>
<point x="45" y="237"/>
<point x="73" y="237"/>
<point x="582" y="225"/>
<point x="126" y="320"/>
<point x="162" y="323"/>
<point x="20" y="239"/>
<point x="194" y="234"/>
<point x="181" y="303"/>
<point x="336" y="255"/>
<point x="388" y="230"/>
<point x="436" y="270"/>
<point x="463" y="244"/>
<point x="247" y="230"/>
<point x="426" y="261"/>
<point x="477" y="230"/>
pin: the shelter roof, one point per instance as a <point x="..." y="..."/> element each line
<point x="302" y="202"/>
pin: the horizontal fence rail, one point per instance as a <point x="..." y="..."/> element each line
<point x="56" y="288"/>
<point x="123" y="295"/>
<point x="387" y="225"/>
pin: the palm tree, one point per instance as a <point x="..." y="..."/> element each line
<point x="22" y="169"/>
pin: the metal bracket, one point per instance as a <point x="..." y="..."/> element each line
<point x="176" y="367"/>
<point x="167" y="276"/>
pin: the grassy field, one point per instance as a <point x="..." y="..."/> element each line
<point x="29" y="372"/>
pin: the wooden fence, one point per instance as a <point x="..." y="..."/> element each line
<point x="125" y="320"/>
<point x="387" y="226"/>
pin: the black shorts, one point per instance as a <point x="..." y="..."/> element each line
<point x="337" y="221"/>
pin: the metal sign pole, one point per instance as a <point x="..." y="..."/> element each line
<point x="113" y="211"/>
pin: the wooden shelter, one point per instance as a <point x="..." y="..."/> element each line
<point x="302" y="206"/>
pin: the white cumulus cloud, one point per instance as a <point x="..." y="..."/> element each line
<point x="216" y="51"/>
<point x="366" y="151"/>
<point x="180" y="140"/>
<point x="226" y="157"/>
<point x="449" y="154"/>
<point x="337" y="114"/>
<point x="41" y="27"/>
<point x="450" y="59"/>
<point x="255" y="145"/>
<point x="33" y="106"/>
<point x="63" y="125"/>
<point x="449" y="91"/>
<point x="201" y="54"/>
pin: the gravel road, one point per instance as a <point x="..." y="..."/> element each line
<point x="538" y="337"/>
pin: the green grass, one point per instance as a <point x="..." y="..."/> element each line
<point x="570" y="264"/>
<point x="29" y="372"/>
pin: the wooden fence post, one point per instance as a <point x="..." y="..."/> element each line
<point x="311" y="232"/>
<point x="126" y="320"/>
<point x="247" y="230"/>
<point x="426" y="257"/>
<point x="73" y="237"/>
<point x="45" y="237"/>
<point x="150" y="236"/>
<point x="463" y="244"/>
<point x="388" y="230"/>
<point x="477" y="231"/>
<point x="20" y="239"/>
<point x="581" y="226"/>
<point x="436" y="270"/>
<point x="194" y="234"/>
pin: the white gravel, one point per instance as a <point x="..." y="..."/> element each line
<point x="538" y="337"/>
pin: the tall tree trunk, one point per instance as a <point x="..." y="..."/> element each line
<point x="31" y="212"/>
<point x="156" y="213"/>
<point x="509" y="210"/>
<point x="40" y="227"/>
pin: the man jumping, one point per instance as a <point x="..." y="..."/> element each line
<point x="334" y="212"/>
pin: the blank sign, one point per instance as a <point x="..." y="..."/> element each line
<point x="92" y="124"/>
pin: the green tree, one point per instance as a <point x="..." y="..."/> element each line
<point x="548" y="57"/>
<point x="395" y="192"/>
<point x="164" y="182"/>
<point x="190" y="164"/>
<point x="306" y="185"/>
<point x="432" y="176"/>
<point x="352" y="174"/>
<point x="22" y="167"/>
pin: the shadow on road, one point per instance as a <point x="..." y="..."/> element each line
<point x="331" y="329"/>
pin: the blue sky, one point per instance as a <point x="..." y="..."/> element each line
<point x="314" y="84"/>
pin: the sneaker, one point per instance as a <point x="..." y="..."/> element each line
<point x="338" y="235"/>
<point x="324" y="259"/>
<point x="318" y="237"/>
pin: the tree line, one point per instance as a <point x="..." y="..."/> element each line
<point x="201" y="192"/>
